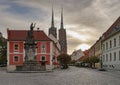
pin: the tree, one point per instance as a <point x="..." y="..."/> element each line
<point x="94" y="60"/>
<point x="3" y="50"/>
<point x="64" y="59"/>
<point x="87" y="60"/>
<point x="73" y="62"/>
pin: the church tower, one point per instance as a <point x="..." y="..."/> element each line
<point x="52" y="29"/>
<point x="62" y="35"/>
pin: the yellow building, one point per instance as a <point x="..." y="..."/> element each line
<point x="98" y="51"/>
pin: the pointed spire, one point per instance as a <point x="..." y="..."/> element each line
<point x="62" y="25"/>
<point x="52" y="21"/>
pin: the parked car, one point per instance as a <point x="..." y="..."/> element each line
<point x="3" y="65"/>
<point x="64" y="66"/>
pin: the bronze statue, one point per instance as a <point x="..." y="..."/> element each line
<point x="30" y="37"/>
<point x="32" y="26"/>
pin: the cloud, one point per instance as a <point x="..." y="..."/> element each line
<point x="14" y="19"/>
<point x="84" y="20"/>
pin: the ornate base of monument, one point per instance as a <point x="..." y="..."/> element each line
<point x="31" y="66"/>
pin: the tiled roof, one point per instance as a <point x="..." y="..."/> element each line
<point x="20" y="35"/>
<point x="112" y="28"/>
<point x="85" y="56"/>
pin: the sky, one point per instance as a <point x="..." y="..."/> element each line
<point x="84" y="20"/>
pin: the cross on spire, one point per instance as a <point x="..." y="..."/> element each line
<point x="62" y="25"/>
<point x="52" y="21"/>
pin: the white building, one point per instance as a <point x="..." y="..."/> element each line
<point x="111" y="47"/>
<point x="55" y="41"/>
<point x="77" y="54"/>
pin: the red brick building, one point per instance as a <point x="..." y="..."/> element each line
<point x="86" y="55"/>
<point x="46" y="49"/>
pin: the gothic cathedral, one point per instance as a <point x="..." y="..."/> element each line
<point x="62" y="33"/>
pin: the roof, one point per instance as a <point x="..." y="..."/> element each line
<point x="113" y="29"/>
<point x="21" y="35"/>
<point x="85" y="56"/>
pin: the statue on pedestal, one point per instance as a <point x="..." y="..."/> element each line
<point x="30" y="45"/>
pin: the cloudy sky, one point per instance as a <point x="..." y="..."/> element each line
<point x="84" y="20"/>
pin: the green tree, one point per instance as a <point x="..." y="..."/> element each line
<point x="94" y="60"/>
<point x="87" y="60"/>
<point x="64" y="59"/>
<point x="3" y="50"/>
<point x="72" y="62"/>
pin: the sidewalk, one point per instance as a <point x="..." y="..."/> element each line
<point x="2" y="68"/>
<point x="109" y="71"/>
<point x="114" y="71"/>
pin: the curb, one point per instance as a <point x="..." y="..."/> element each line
<point x="29" y="71"/>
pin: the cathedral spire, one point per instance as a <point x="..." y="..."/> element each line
<point x="62" y="35"/>
<point x="52" y="21"/>
<point x="53" y="29"/>
<point x="62" y="25"/>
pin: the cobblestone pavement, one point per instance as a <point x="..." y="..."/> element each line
<point x="71" y="76"/>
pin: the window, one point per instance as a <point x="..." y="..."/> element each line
<point x="106" y="46"/>
<point x="43" y="58"/>
<point x="103" y="47"/>
<point x="119" y="55"/>
<point x="119" y="40"/>
<point x="43" y="48"/>
<point x="106" y="57"/>
<point x="110" y="57"/>
<point x="16" y="47"/>
<point x="110" y="44"/>
<point x="114" y="42"/>
<point x="16" y="59"/>
<point x="114" y="56"/>
<point x="103" y="58"/>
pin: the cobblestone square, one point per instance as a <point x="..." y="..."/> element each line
<point x="71" y="76"/>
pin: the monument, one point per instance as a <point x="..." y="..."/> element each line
<point x="30" y="45"/>
<point x="30" y="63"/>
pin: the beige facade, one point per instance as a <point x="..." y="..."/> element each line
<point x="98" y="51"/>
<point x="98" y="48"/>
